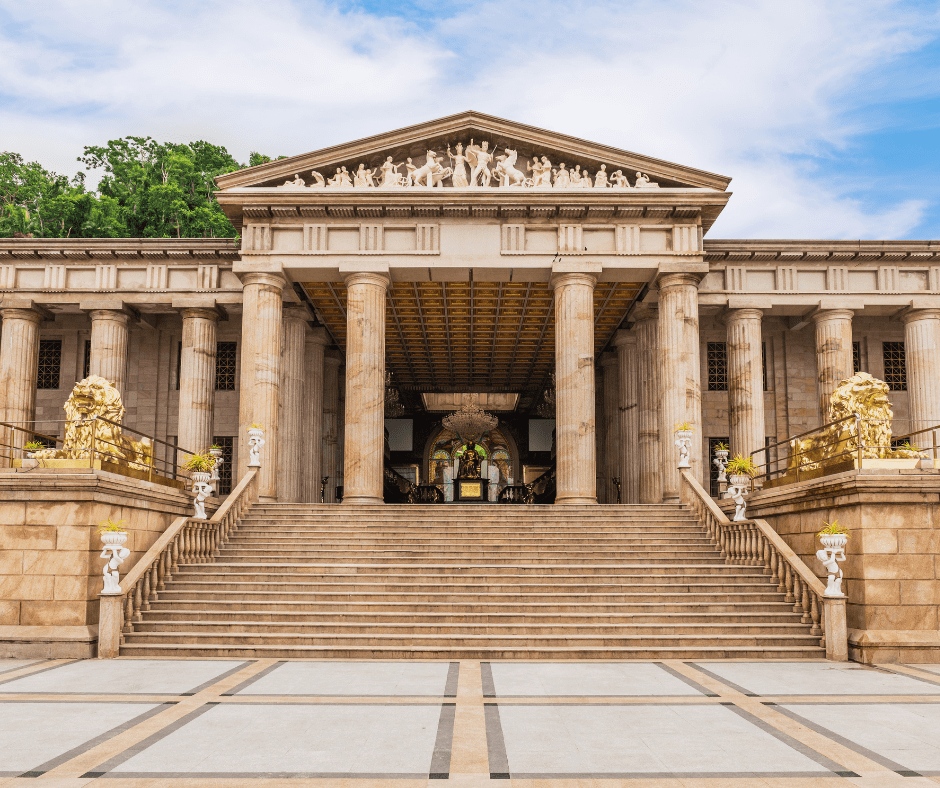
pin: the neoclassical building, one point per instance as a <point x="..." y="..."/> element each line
<point x="469" y="255"/>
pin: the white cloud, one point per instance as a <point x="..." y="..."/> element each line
<point x="751" y="89"/>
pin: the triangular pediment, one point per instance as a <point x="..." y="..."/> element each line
<point x="526" y="141"/>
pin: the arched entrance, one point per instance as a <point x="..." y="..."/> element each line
<point x="445" y="447"/>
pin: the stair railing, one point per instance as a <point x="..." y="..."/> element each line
<point x="756" y="543"/>
<point x="186" y="541"/>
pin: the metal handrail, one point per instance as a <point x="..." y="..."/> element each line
<point x="766" y="450"/>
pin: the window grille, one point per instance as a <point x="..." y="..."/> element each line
<point x="50" y="363"/>
<point x="49" y="443"/>
<point x="86" y="364"/>
<point x="856" y="357"/>
<point x="179" y="363"/>
<point x="712" y="468"/>
<point x="227" y="444"/>
<point x="716" y="354"/>
<point x="225" y="355"/>
<point x="895" y="367"/>
<point x="763" y="363"/>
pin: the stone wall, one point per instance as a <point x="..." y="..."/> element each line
<point x="50" y="565"/>
<point x="892" y="573"/>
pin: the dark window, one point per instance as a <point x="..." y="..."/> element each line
<point x="179" y="363"/>
<point x="50" y="363"/>
<point x="227" y="443"/>
<point x="895" y="369"/>
<point x="86" y="364"/>
<point x="712" y="468"/>
<point x="763" y="363"/>
<point x="225" y="366"/>
<point x="856" y="357"/>
<point x="49" y="443"/>
<point x="717" y="359"/>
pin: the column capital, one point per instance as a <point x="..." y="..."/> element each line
<point x="623" y="337"/>
<point x="269" y="278"/>
<point x="684" y="279"/>
<point x="367" y="278"/>
<point x="197" y="313"/>
<point x="334" y="357"/>
<point x="318" y="336"/>
<point x="832" y="314"/>
<point x="608" y="359"/>
<point x="742" y="314"/>
<point x="646" y="312"/>
<point x="20" y="312"/>
<point x="113" y="315"/>
<point x="920" y="314"/>
<point x="561" y="280"/>
<point x="296" y="312"/>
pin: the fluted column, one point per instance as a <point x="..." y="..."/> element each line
<point x="108" y="358"/>
<point x="574" y="388"/>
<point x="922" y="354"/>
<point x="745" y="382"/>
<point x="332" y="455"/>
<point x="197" y="378"/>
<point x="364" y="453"/>
<point x="312" y="427"/>
<point x="609" y="460"/>
<point x="681" y="375"/>
<point x="260" y="373"/>
<point x="625" y="342"/>
<point x="649" y="401"/>
<point x="291" y="406"/>
<point x="19" y="369"/>
<point x="833" y="354"/>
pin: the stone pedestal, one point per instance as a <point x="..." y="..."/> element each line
<point x="332" y="454"/>
<point x="19" y="367"/>
<point x="109" y="332"/>
<point x="574" y="388"/>
<point x="681" y="373"/>
<point x="197" y="379"/>
<point x="922" y="352"/>
<point x="649" y="451"/>
<point x="260" y="373"/>
<point x="312" y="427"/>
<point x="627" y="413"/>
<point x="609" y="458"/>
<point x="291" y="426"/>
<point x="833" y="354"/>
<point x="364" y="452"/>
<point x="745" y="382"/>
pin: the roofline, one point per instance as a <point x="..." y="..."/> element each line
<point x="288" y="166"/>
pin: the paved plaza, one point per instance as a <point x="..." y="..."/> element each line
<point x="142" y="722"/>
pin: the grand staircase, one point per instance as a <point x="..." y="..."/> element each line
<point x="471" y="581"/>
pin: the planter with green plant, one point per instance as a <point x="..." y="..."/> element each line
<point x="683" y="433"/>
<point x="741" y="470"/>
<point x="32" y="447"/>
<point x="834" y="536"/>
<point x="721" y="460"/>
<point x="112" y="532"/>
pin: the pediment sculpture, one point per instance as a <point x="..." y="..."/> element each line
<point x="473" y="166"/>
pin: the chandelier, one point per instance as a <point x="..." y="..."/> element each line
<point x="394" y="408"/>
<point x="470" y="422"/>
<point x="547" y="409"/>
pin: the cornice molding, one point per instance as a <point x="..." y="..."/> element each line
<point x="737" y="251"/>
<point x="115" y="250"/>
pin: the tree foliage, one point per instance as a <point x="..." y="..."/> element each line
<point x="148" y="189"/>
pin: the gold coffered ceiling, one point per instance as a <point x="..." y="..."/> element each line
<point x="463" y="336"/>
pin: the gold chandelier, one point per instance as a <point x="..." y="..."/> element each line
<point x="470" y="422"/>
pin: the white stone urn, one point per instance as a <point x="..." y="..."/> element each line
<point x="113" y="538"/>
<point x="831" y="555"/>
<point x="255" y="442"/>
<point x="740" y="480"/>
<point x="684" y="443"/>
<point x="114" y="554"/>
<point x="203" y="489"/>
<point x="834" y="541"/>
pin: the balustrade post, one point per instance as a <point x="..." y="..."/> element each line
<point x="816" y="630"/>
<point x="797" y="593"/>
<point x="138" y="600"/>
<point x="129" y="612"/>
<point x="110" y="623"/>
<point x="806" y="604"/>
<point x="788" y="583"/>
<point x="836" y="631"/>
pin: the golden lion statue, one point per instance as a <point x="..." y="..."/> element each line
<point x="868" y="397"/>
<point x="92" y="398"/>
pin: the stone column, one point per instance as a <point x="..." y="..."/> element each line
<point x="609" y="460"/>
<point x="19" y="370"/>
<point x="649" y="450"/>
<point x="364" y="453"/>
<point x="922" y="353"/>
<point x="625" y="342"/>
<point x="332" y="457"/>
<point x="260" y="373"/>
<point x="312" y="428"/>
<point x="745" y="382"/>
<point x="681" y="373"/>
<point x="291" y="405"/>
<point x="574" y="388"/>
<point x="197" y="378"/>
<point x="833" y="354"/>
<point x="109" y="333"/>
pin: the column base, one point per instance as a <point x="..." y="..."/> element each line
<point x="575" y="500"/>
<point x="362" y="500"/>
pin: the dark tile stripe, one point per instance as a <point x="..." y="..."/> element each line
<point x="495" y="744"/>
<point x="37" y="672"/>
<point x="443" y="744"/>
<point x="450" y="686"/>
<point x="486" y="675"/>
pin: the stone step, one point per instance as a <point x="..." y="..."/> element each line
<point x="259" y="539"/>
<point x="569" y="639"/>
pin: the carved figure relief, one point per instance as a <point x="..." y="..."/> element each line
<point x="473" y="166"/>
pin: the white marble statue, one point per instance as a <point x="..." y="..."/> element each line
<point x="432" y="173"/>
<point x="600" y="180"/>
<point x="562" y="177"/>
<point x="409" y="171"/>
<point x="479" y="157"/>
<point x="448" y="483"/>
<point x="492" y="473"/>
<point x="362" y="177"/>
<point x="644" y="182"/>
<point x="543" y="178"/>
<point x="574" y="177"/>
<point x="295" y="183"/>
<point x="203" y="490"/>
<point x="318" y="180"/>
<point x="458" y="166"/>
<point x="115" y="555"/>
<point x="619" y="181"/>
<point x="831" y="554"/>
<point x="736" y="493"/>
<point x="506" y="170"/>
<point x="390" y="177"/>
<point x="341" y="179"/>
<point x="255" y="443"/>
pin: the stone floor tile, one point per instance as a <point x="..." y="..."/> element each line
<point x="362" y="679"/>
<point x="929" y="667"/>
<point x="815" y="678"/>
<point x="573" y="679"/>
<point x="9" y="665"/>
<point x="123" y="677"/>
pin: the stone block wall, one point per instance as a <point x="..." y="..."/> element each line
<point x="50" y="565"/>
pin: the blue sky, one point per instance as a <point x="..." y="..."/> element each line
<point x="826" y="113"/>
